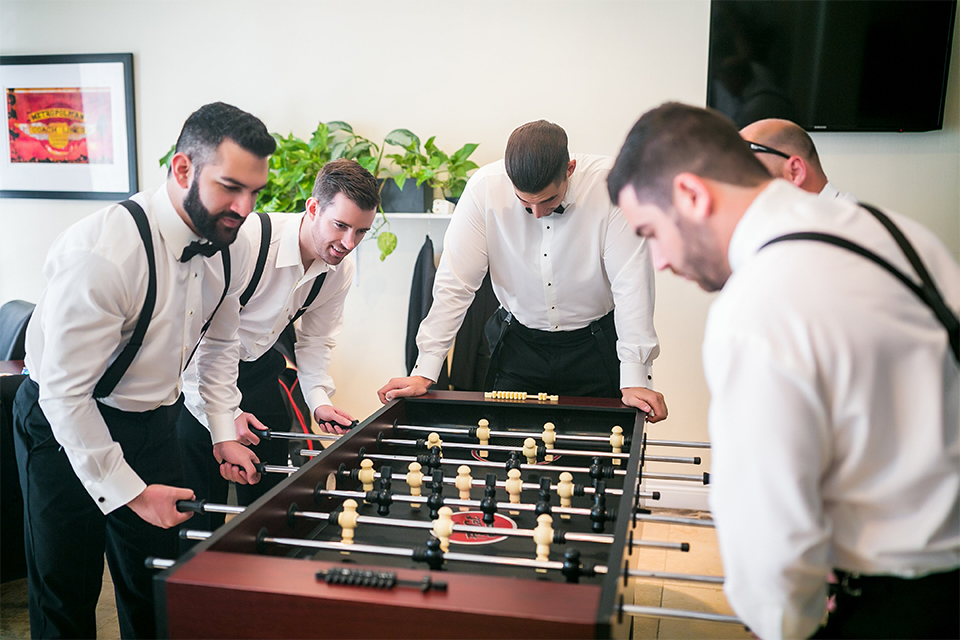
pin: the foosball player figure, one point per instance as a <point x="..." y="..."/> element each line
<point x="483" y="434"/>
<point x="414" y="481"/>
<point x="565" y="491"/>
<point x="489" y="503"/>
<point x="435" y="501"/>
<point x="347" y="520"/>
<point x="434" y="441"/>
<point x="530" y="450"/>
<point x="549" y="439"/>
<point x="514" y="485"/>
<point x="464" y="482"/>
<point x="443" y="527"/>
<point x="616" y="441"/>
<point x="366" y="474"/>
<point x="543" y="536"/>
<point x="543" y="504"/>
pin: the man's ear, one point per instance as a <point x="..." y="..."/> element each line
<point x="795" y="170"/>
<point x="181" y="169"/>
<point x="571" y="167"/>
<point x="313" y="207"/>
<point x="691" y="196"/>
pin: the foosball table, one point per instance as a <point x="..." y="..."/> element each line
<point x="448" y="515"/>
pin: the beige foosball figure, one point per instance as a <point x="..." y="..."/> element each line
<point x="347" y="520"/>
<point x="616" y="441"/>
<point x="483" y="434"/>
<point x="530" y="450"/>
<point x="549" y="437"/>
<point x="464" y="483"/>
<point x="565" y="491"/>
<point x="543" y="536"/>
<point x="366" y="474"/>
<point x="414" y="481"/>
<point x="433" y="440"/>
<point x="443" y="527"/>
<point x="514" y="486"/>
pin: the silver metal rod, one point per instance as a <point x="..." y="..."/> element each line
<point x="501" y="506"/>
<point x="293" y="435"/>
<point x="195" y="534"/>
<point x="209" y="507"/>
<point x="496" y="447"/>
<point x="676" y="546"/>
<point x="673" y="459"/>
<point x="678" y="443"/>
<point x="693" y="522"/>
<point x="465" y="431"/>
<point x="702" y="478"/>
<point x="526" y="486"/>
<point x="660" y="612"/>
<point x="397" y="551"/>
<point x="687" y="577"/>
<point x="158" y="563"/>
<point x="476" y="463"/>
<point x="273" y="468"/>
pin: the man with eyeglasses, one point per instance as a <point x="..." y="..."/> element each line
<point x="787" y="152"/>
<point x="575" y="287"/>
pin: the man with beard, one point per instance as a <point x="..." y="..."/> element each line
<point x="302" y="273"/>
<point x="835" y="400"/>
<point x="130" y="290"/>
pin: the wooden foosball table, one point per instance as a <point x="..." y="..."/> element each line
<point x="448" y="515"/>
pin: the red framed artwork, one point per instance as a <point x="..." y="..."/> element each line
<point x="70" y="129"/>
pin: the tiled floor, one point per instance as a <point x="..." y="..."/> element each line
<point x="15" y="619"/>
<point x="702" y="559"/>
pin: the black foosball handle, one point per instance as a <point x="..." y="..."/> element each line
<point x="196" y="506"/>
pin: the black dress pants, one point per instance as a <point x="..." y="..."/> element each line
<point x="891" y="607"/>
<point x="567" y="363"/>
<point x="262" y="396"/>
<point x="66" y="534"/>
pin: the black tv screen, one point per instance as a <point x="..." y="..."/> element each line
<point x="832" y="65"/>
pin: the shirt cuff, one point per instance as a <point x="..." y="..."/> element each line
<point x="117" y="489"/>
<point x="636" y="374"/>
<point x="222" y="427"/>
<point x="428" y="366"/>
<point x="316" y="397"/>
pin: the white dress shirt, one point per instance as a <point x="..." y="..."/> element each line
<point x="96" y="275"/>
<point x="558" y="273"/>
<point x="834" y="411"/>
<point x="829" y="191"/>
<point x="283" y="289"/>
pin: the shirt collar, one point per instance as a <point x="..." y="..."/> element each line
<point x="288" y="253"/>
<point x="761" y="222"/>
<point x="173" y="230"/>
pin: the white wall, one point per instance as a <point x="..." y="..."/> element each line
<point x="465" y="71"/>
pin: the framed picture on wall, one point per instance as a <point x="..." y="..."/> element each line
<point x="70" y="127"/>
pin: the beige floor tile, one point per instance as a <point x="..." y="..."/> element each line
<point x="647" y="593"/>
<point x="704" y="555"/>
<point x="15" y="618"/>
<point x="707" y="599"/>
<point x="671" y="629"/>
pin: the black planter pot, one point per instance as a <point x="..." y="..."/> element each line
<point x="412" y="199"/>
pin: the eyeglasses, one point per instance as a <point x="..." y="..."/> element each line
<point x="759" y="148"/>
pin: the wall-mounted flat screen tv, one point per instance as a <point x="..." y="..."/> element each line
<point x="832" y="65"/>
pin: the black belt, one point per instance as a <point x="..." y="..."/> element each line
<point x="856" y="584"/>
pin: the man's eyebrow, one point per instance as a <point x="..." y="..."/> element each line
<point x="240" y="184"/>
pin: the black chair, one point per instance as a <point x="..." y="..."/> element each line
<point x="14" y="316"/>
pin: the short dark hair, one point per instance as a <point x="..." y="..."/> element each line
<point x="349" y="178"/>
<point x="536" y="156"/>
<point x="675" y="138"/>
<point x="206" y="128"/>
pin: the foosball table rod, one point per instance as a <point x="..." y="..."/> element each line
<point x="435" y="558"/>
<point x="680" y="577"/>
<point x="693" y="522"/>
<point x="381" y="457"/>
<point x="541" y="451"/>
<point x="660" y="612"/>
<point x="560" y="536"/>
<point x="456" y="502"/>
<point x="470" y="432"/>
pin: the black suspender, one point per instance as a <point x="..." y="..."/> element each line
<point x="118" y="367"/>
<point x="225" y="255"/>
<point x="265" y="233"/>
<point x="114" y="373"/>
<point x="927" y="291"/>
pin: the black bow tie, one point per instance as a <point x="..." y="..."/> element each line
<point x="557" y="211"/>
<point x="205" y="249"/>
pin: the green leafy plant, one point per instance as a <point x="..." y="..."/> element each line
<point x="295" y="164"/>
